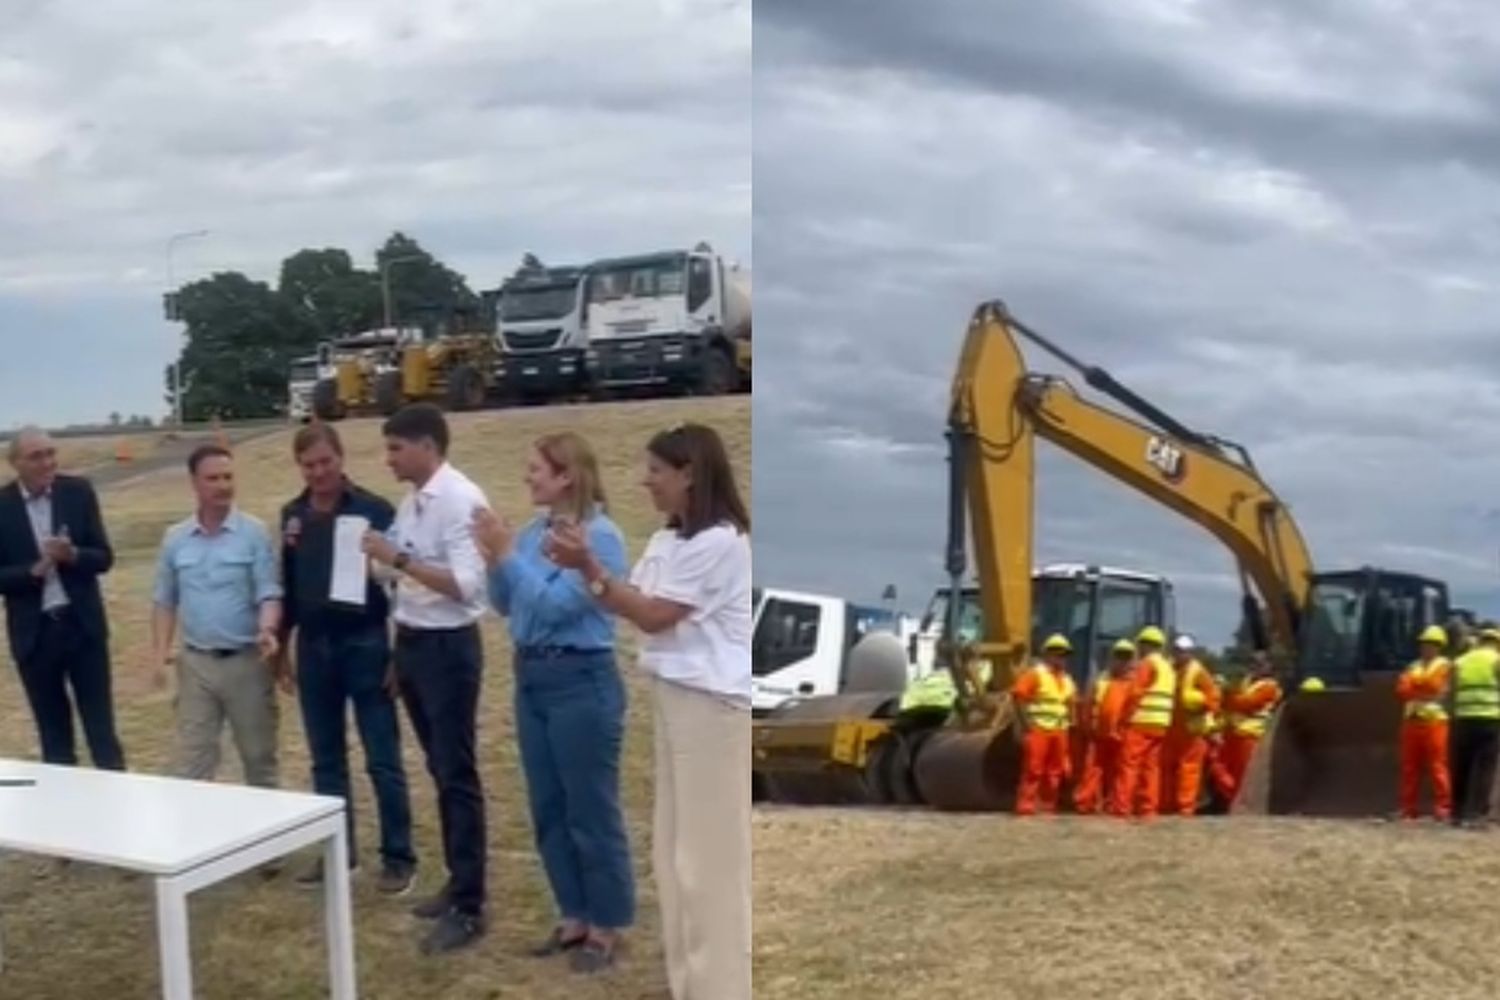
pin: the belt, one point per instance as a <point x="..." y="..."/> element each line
<point x="410" y="632"/>
<point x="218" y="654"/>
<point x="557" y="652"/>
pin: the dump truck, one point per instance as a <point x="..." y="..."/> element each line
<point x="539" y="321"/>
<point x="678" y="320"/>
<point x="1328" y="753"/>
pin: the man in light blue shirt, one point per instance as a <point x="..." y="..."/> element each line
<point x="216" y="578"/>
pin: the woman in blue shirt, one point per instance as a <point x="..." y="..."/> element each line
<point x="569" y="699"/>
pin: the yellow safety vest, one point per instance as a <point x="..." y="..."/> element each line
<point x="1198" y="719"/>
<point x="936" y="690"/>
<point x="1427" y="709"/>
<point x="1049" y="709"/>
<point x="1251" y="723"/>
<point x="1476" y="692"/>
<point x="1155" y="706"/>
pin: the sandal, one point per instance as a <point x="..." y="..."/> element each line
<point x="556" y="944"/>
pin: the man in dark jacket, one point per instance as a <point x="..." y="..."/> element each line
<point x="53" y="549"/>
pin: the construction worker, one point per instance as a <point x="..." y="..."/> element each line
<point x="1476" y="727"/>
<point x="1104" y="732"/>
<point x="1247" y="710"/>
<point x="1195" y="708"/>
<point x="1048" y="701"/>
<point x="1422" y="687"/>
<point x="1148" y="716"/>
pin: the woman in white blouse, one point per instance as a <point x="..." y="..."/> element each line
<point x="690" y="595"/>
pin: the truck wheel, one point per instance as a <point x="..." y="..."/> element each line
<point x="388" y="392"/>
<point x="326" y="402"/>
<point x="465" y="389"/>
<point x="716" y="374"/>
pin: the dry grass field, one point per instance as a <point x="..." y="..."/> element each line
<point x="858" y="903"/>
<point x="81" y="933"/>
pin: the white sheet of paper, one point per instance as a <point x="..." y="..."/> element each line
<point x="350" y="564"/>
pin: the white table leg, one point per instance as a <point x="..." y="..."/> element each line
<point x="338" y="915"/>
<point x="172" y="936"/>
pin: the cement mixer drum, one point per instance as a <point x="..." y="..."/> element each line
<point x="877" y="663"/>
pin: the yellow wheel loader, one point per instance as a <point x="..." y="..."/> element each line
<point x="1329" y="752"/>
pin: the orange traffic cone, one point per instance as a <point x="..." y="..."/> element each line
<point x="122" y="452"/>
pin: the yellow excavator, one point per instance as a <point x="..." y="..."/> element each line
<point x="1330" y="752"/>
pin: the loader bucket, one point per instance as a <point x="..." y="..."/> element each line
<point x="1333" y="753"/>
<point x="970" y="771"/>
<point x="794" y="754"/>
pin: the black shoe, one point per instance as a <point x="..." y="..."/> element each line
<point x="396" y="879"/>
<point x="592" y="957"/>
<point x="434" y="907"/>
<point x="453" y="930"/>
<point x="556" y="944"/>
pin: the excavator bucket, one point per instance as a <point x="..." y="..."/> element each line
<point x="970" y="771"/>
<point x="1333" y="753"/>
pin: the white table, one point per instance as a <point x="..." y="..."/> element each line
<point x="187" y="835"/>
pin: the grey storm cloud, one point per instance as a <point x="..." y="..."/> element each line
<point x="1275" y="221"/>
<point x="483" y="128"/>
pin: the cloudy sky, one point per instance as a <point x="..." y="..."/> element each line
<point x="482" y="128"/>
<point x="1278" y="221"/>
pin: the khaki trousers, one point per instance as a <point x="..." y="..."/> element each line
<point x="701" y="842"/>
<point x="211" y="689"/>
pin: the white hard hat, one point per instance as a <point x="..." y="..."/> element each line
<point x="1185" y="643"/>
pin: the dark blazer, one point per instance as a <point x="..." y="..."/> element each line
<point x="75" y="504"/>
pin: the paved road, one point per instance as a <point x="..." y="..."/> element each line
<point x="169" y="452"/>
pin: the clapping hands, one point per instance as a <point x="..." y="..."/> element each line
<point x="566" y="544"/>
<point x="494" y="534"/>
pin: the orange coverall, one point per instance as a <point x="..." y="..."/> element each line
<point x="1187" y="743"/>
<point x="1242" y="703"/>
<point x="1424" y="741"/>
<point x="1101" y="763"/>
<point x="1045" y="758"/>
<point x="1140" y="765"/>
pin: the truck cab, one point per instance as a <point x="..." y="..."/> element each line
<point x="674" y="320"/>
<point x="302" y="378"/>
<point x="539" y="320"/>
<point x="801" y="643"/>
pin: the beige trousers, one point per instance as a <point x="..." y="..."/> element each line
<point x="701" y="842"/>
<point x="209" y="691"/>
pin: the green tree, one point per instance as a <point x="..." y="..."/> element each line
<point x="242" y="336"/>
<point x="340" y="298"/>
<point x="424" y="292"/>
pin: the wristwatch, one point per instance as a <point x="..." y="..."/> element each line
<point x="402" y="560"/>
<point x="599" y="586"/>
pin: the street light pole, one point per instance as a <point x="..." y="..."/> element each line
<point x="177" y="364"/>
<point x="385" y="281"/>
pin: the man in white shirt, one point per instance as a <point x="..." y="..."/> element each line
<point x="439" y="599"/>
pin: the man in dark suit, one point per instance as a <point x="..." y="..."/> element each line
<point x="53" y="548"/>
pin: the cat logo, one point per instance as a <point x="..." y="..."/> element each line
<point x="1166" y="458"/>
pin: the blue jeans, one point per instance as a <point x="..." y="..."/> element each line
<point x="333" y="670"/>
<point x="570" y="720"/>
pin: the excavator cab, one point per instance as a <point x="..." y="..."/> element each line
<point x="1335" y="752"/>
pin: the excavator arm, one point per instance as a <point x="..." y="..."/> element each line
<point x="999" y="407"/>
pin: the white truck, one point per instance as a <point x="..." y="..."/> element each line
<point x="539" y="323"/>
<point x="801" y="643"/>
<point x="301" y="379"/>
<point x="678" y="319"/>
